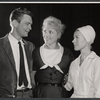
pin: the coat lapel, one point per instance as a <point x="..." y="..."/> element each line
<point x="7" y="47"/>
<point x="27" y="53"/>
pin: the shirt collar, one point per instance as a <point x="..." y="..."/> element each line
<point x="91" y="55"/>
<point x="60" y="48"/>
<point x="14" y="40"/>
<point x="22" y="42"/>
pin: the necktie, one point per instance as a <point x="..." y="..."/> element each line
<point x="22" y="74"/>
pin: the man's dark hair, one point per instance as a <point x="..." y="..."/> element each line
<point x="18" y="13"/>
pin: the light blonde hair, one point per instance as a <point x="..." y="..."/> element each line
<point x="54" y="23"/>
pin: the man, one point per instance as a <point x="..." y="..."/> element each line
<point x="11" y="82"/>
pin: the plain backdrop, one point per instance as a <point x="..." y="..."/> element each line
<point x="73" y="15"/>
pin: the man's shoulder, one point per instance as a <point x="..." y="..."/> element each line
<point x="27" y="42"/>
<point x="30" y="44"/>
<point x="3" y="38"/>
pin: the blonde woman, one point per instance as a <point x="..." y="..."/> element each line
<point x="51" y="61"/>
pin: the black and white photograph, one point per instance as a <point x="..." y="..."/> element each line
<point x="49" y="50"/>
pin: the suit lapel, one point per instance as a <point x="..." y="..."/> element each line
<point x="27" y="52"/>
<point x="7" y="47"/>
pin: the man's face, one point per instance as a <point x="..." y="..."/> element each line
<point x="24" y="27"/>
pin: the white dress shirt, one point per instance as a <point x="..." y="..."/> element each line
<point x="15" y="50"/>
<point x="85" y="79"/>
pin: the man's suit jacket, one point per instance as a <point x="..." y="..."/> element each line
<point x="8" y="75"/>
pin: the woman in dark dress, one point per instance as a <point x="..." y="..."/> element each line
<point x="51" y="62"/>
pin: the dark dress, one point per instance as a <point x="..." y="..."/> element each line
<point x="49" y="80"/>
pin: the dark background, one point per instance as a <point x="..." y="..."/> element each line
<point x="73" y="15"/>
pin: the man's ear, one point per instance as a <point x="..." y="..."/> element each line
<point x="15" y="23"/>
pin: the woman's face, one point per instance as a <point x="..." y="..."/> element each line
<point x="79" y="41"/>
<point x="50" y="35"/>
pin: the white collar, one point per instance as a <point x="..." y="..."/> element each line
<point x="14" y="40"/>
<point x="91" y="55"/>
<point x="60" y="48"/>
